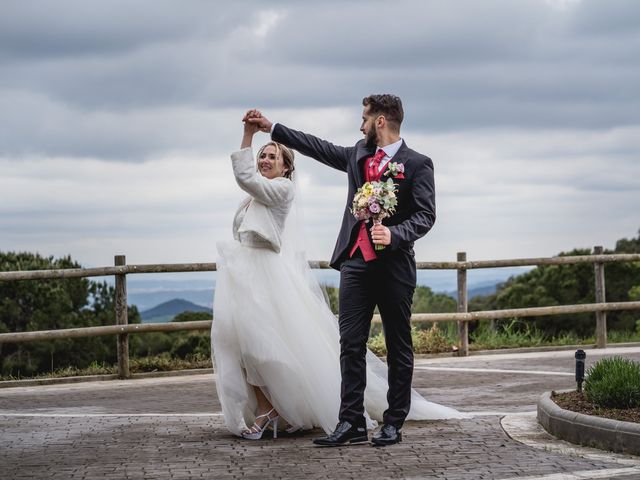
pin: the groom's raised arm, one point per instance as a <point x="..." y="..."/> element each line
<point x="325" y="152"/>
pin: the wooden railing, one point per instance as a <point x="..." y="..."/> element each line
<point x="122" y="328"/>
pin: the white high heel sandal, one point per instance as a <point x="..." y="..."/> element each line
<point x="256" y="431"/>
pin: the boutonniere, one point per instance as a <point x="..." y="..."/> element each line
<point x="396" y="170"/>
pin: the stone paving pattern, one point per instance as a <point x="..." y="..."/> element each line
<point x="161" y="446"/>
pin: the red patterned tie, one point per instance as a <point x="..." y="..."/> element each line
<point x="374" y="164"/>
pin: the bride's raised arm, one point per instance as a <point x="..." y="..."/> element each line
<point x="250" y="129"/>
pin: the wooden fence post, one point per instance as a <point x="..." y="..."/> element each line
<point x="601" y="317"/>
<point x="122" y="318"/>
<point x="463" y="327"/>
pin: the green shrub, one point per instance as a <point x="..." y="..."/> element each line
<point x="377" y="345"/>
<point x="433" y="340"/>
<point x="195" y="343"/>
<point x="428" y="340"/>
<point x="164" y="363"/>
<point x="614" y="383"/>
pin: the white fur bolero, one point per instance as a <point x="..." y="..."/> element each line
<point x="260" y="220"/>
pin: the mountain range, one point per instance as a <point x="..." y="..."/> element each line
<point x="166" y="295"/>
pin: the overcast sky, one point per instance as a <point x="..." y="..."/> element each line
<point x="117" y="118"/>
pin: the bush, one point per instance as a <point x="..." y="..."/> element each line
<point x="192" y="344"/>
<point x="614" y="383"/>
<point x="165" y="362"/>
<point x="432" y="340"/>
<point x="429" y="340"/>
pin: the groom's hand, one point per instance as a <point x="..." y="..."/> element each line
<point x="381" y="235"/>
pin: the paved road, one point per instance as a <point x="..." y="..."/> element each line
<point x="171" y="427"/>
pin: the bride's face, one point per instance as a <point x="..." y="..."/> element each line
<point x="270" y="164"/>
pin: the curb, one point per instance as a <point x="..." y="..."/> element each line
<point x="418" y="356"/>
<point x="587" y="430"/>
<point x="99" y="378"/>
<point x="549" y="348"/>
<point x="545" y="348"/>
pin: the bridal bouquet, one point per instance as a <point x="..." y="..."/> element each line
<point x="375" y="201"/>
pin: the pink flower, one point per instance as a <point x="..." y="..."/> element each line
<point x="400" y="167"/>
<point x="374" y="208"/>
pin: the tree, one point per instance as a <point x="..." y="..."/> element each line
<point x="628" y="245"/>
<point x="549" y="285"/>
<point x="191" y="316"/>
<point x="31" y="305"/>
<point x="425" y="301"/>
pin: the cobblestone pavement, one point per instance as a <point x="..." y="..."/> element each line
<point x="171" y="428"/>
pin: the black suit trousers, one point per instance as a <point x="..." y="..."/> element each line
<point x="389" y="283"/>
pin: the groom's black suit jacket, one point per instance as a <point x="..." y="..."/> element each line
<point x="416" y="209"/>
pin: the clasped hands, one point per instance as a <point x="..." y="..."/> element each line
<point x="254" y="121"/>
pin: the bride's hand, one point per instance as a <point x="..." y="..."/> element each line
<point x="251" y="128"/>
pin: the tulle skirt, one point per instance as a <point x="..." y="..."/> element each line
<point x="271" y="329"/>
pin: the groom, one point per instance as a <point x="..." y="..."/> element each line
<point x="368" y="277"/>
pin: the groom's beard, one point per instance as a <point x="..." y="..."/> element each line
<point x="371" y="139"/>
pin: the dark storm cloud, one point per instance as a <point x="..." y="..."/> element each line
<point x="104" y="79"/>
<point x="31" y="30"/>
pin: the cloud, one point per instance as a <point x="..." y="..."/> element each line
<point x="463" y="65"/>
<point x="118" y="118"/>
<point x="78" y="29"/>
<point x="499" y="193"/>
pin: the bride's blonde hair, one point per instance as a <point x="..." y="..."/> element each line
<point x="287" y="156"/>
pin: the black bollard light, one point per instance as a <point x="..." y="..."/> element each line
<point x="580" y="357"/>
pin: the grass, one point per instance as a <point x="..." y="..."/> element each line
<point x="611" y="390"/>
<point x="513" y="334"/>
<point x="517" y="334"/>
<point x="614" y="383"/>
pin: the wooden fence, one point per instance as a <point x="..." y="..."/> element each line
<point x="122" y="328"/>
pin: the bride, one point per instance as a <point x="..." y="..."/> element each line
<point x="275" y="342"/>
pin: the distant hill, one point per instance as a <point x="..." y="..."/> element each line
<point x="148" y="297"/>
<point x="165" y="312"/>
<point x="482" y="290"/>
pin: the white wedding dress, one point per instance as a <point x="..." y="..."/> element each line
<point x="273" y="328"/>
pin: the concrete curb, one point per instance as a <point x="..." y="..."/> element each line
<point x="587" y="430"/>
<point x="418" y="356"/>
<point x="99" y="378"/>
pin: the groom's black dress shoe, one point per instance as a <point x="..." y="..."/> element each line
<point x="387" y="435"/>
<point x="344" y="434"/>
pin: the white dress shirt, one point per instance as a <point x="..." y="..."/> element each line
<point x="390" y="150"/>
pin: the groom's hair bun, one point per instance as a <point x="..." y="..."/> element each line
<point x="388" y="105"/>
